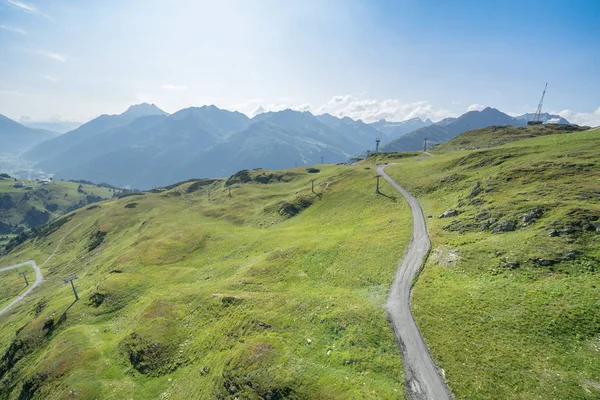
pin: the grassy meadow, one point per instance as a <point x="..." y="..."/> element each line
<point x="54" y="199"/>
<point x="256" y="287"/>
<point x="509" y="300"/>
<point x="273" y="292"/>
<point x="11" y="284"/>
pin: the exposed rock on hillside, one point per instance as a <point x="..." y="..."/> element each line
<point x="531" y="216"/>
<point x="476" y="190"/>
<point x="449" y="213"/>
<point x="504" y="226"/>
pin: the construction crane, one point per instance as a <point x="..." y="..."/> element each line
<point x="537" y="120"/>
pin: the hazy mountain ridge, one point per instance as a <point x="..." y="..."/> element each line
<point x="449" y="128"/>
<point x="53" y="126"/>
<point x="15" y="137"/>
<point x="397" y="129"/>
<point x="544" y="117"/>
<point x="103" y="123"/>
<point x="158" y="149"/>
<point x="146" y="147"/>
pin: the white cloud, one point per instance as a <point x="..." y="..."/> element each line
<point x="589" y="119"/>
<point x="475" y="107"/>
<point x="15" y="30"/>
<point x="302" y="107"/>
<point x="174" y="87"/>
<point x="29" y="8"/>
<point x="54" y="56"/>
<point x="49" y="78"/>
<point x="24" y="6"/>
<point x="370" y="110"/>
<point x="263" y="108"/>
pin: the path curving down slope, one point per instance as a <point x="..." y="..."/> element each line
<point x="38" y="279"/>
<point x="423" y="381"/>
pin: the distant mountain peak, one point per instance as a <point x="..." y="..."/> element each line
<point x="491" y="110"/>
<point x="144" y="109"/>
<point x="545" y="117"/>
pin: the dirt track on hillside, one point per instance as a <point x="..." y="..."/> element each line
<point x="38" y="279"/>
<point x="422" y="378"/>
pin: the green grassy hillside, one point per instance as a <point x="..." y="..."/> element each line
<point x="509" y="301"/>
<point x="11" y="284"/>
<point x="273" y="292"/>
<point x="498" y="135"/>
<point x="22" y="208"/>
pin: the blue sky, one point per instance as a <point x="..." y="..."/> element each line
<point x="74" y="60"/>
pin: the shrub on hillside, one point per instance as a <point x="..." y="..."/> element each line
<point x="242" y="176"/>
<point x="34" y="217"/>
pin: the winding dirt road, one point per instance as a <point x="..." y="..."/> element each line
<point x="423" y="381"/>
<point x="38" y="279"/>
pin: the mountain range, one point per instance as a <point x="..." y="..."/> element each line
<point x="449" y="128"/>
<point x="15" y="137"/>
<point x="146" y="147"/>
<point x="54" y="126"/>
<point x="397" y="129"/>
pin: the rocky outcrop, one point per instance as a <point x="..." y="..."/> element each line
<point x="531" y="216"/>
<point x="476" y="190"/>
<point x="504" y="226"/>
<point x="451" y="212"/>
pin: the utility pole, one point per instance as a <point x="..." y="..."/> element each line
<point x="313" y="187"/>
<point x="295" y="165"/>
<point x="23" y="274"/>
<point x="377" y="141"/>
<point x="229" y="191"/>
<point x="425" y="145"/>
<point x="377" y="190"/>
<point x="321" y="160"/>
<point x="70" y="279"/>
<point x="208" y="194"/>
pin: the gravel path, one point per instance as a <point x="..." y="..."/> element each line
<point x="422" y="378"/>
<point x="38" y="279"/>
